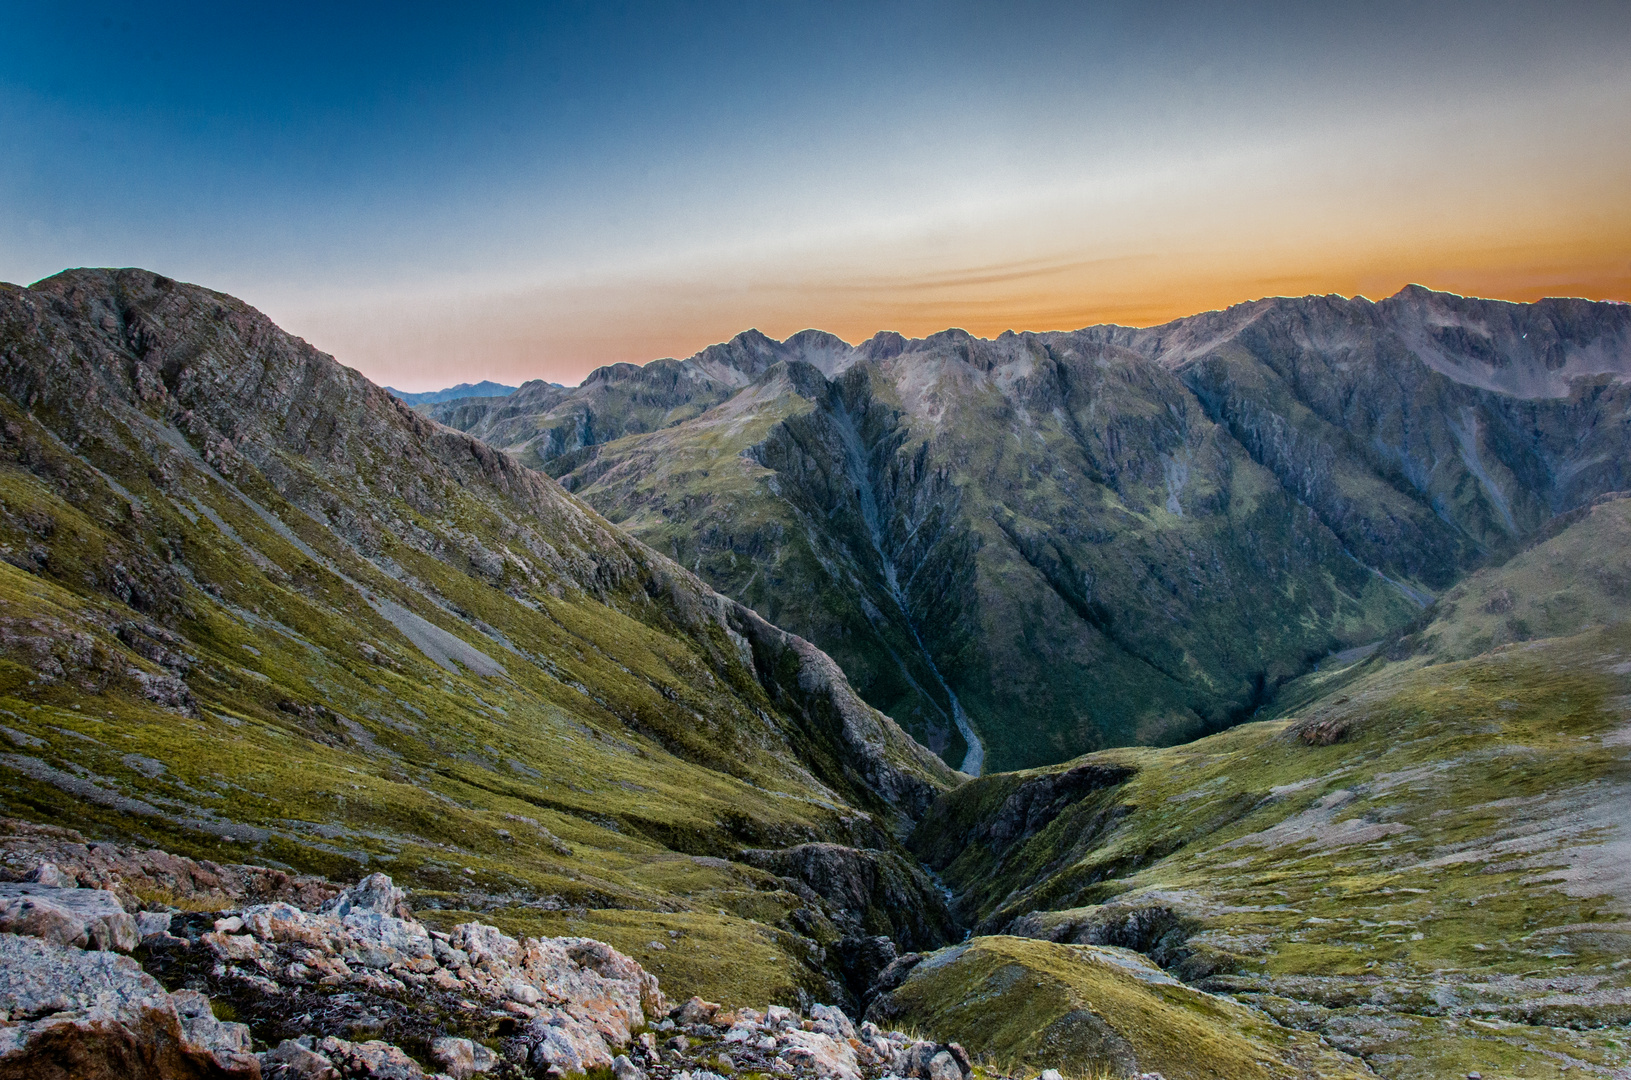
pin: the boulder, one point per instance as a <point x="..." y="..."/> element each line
<point x="694" y="1011"/>
<point x="79" y="1015"/>
<point x="462" y="1059"/>
<point x="372" y="1060"/>
<point x="375" y="894"/>
<point x="295" y="1060"/>
<point x="836" y="1023"/>
<point x="822" y="1054"/>
<point x="557" y="1039"/>
<point x="932" y="1061"/>
<point x="82" y="918"/>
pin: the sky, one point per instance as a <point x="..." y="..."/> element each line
<point x="440" y="193"/>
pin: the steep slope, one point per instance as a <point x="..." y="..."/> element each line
<point x="1075" y="540"/>
<point x="255" y="608"/>
<point x="1426" y="863"/>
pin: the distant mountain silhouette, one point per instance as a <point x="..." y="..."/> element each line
<point x="453" y="393"/>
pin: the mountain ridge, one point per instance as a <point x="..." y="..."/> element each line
<point x="257" y="613"/>
<point x="485" y="388"/>
<point x="253" y="605"/>
<point x="1378" y="451"/>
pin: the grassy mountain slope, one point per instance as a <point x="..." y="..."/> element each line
<point x="1110" y="536"/>
<point x="1426" y="863"/>
<point x="252" y="608"/>
<point x="1027" y="1005"/>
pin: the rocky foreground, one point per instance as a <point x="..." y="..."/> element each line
<point x="322" y="983"/>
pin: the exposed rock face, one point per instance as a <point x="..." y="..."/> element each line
<point x="81" y="918"/>
<point x="1113" y="535"/>
<point x="131" y="873"/>
<point x="1029" y="805"/>
<point x="79" y="1015"/>
<point x="579" y="999"/>
<point x="873" y="892"/>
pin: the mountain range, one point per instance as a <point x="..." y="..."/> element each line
<point x="1285" y="651"/>
<point x="485" y="388"/>
<point x="1026" y="548"/>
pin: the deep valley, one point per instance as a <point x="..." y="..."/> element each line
<point x="1247" y="696"/>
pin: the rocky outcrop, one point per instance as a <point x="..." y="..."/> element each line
<point x="80" y="918"/>
<point x="306" y="980"/>
<point x="566" y="1003"/>
<point x="988" y="822"/>
<point x="1161" y="931"/>
<point x="776" y="1041"/>
<point x="873" y="893"/>
<point x="76" y="1015"/>
<point x="361" y="990"/>
<point x="136" y="875"/>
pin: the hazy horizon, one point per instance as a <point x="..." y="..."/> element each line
<point x="528" y="192"/>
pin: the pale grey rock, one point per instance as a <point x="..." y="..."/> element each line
<point x="292" y="1060"/>
<point x="96" y="1015"/>
<point x="822" y="1054"/>
<point x="923" y="1060"/>
<point x="522" y="991"/>
<point x="152" y="922"/>
<point x="82" y="918"/>
<point x="48" y="873"/>
<point x="561" y="1040"/>
<point x="486" y="946"/>
<point x="694" y="1011"/>
<point x="461" y="1059"/>
<point x="624" y="1069"/>
<point x="943" y="1067"/>
<point x="373" y="1060"/>
<point x="376" y="894"/>
<point x="843" y="1028"/>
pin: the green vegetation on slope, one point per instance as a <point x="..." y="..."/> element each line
<point x="1025" y="1005"/>
<point x="1425" y="862"/>
<point x="1107" y="536"/>
<point x="253" y="610"/>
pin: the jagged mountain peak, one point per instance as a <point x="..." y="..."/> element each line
<point x="1139" y="492"/>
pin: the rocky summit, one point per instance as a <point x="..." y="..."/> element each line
<point x="1283" y="655"/>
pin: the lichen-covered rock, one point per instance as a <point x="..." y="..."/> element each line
<point x="462" y="1059"/>
<point x="132" y="873"/>
<point x="78" y="1015"/>
<point x="694" y="1011"/>
<point x="82" y="918"/>
<point x="294" y="1060"/>
<point x="371" y="1060"/>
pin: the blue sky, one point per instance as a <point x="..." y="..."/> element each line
<point x="440" y="192"/>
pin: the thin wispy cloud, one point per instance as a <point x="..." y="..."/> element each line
<point x="530" y="191"/>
